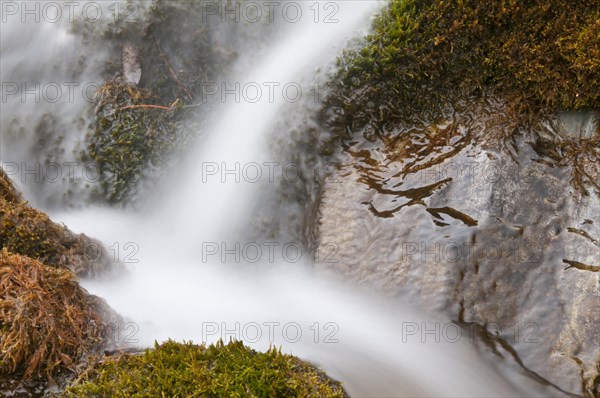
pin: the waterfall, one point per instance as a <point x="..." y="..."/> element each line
<point x="178" y="286"/>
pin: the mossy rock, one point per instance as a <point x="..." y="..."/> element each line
<point x="177" y="50"/>
<point x="139" y="126"/>
<point x="129" y="138"/>
<point x="49" y="325"/>
<point x="30" y="232"/>
<point x="222" y="370"/>
<point x="541" y="56"/>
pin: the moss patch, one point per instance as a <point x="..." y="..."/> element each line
<point x="221" y="370"/>
<point x="177" y="55"/>
<point x="128" y="139"/>
<point x="30" y="232"/>
<point x="540" y="55"/>
<point x="8" y="193"/>
<point x="49" y="325"/>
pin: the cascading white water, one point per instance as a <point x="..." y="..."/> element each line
<point x="239" y="136"/>
<point x="171" y="293"/>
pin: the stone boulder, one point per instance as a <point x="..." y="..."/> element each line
<point x="498" y="226"/>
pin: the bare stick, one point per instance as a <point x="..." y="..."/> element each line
<point x="167" y="108"/>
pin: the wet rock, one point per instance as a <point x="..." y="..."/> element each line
<point x="470" y="173"/>
<point x="132" y="69"/>
<point x="154" y="106"/>
<point x="580" y="124"/>
<point x="502" y="233"/>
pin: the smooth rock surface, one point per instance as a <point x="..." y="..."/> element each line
<point x="500" y="233"/>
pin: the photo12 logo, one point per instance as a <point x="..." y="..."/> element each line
<point x="451" y="332"/>
<point x="448" y="252"/>
<point x="69" y="11"/>
<point x="266" y="252"/>
<point x="271" y="332"/>
<point x="49" y="92"/>
<point x="52" y="172"/>
<point x="117" y="252"/>
<point x="270" y="172"/>
<point x="254" y="92"/>
<point x="271" y="11"/>
<point x="481" y="172"/>
<point x="119" y="333"/>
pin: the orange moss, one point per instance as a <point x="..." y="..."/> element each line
<point x="48" y="323"/>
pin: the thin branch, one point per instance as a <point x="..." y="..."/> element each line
<point x="167" y="108"/>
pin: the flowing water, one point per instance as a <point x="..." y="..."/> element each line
<point x="173" y="289"/>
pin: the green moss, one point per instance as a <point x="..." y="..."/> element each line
<point x="30" y="232"/>
<point x="126" y="141"/>
<point x="177" y="55"/>
<point x="540" y="55"/>
<point x="27" y="231"/>
<point x="221" y="370"/>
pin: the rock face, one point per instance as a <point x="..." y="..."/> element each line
<point x="132" y="69"/>
<point x="502" y="233"/>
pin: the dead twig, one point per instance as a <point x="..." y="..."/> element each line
<point x="167" y="108"/>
